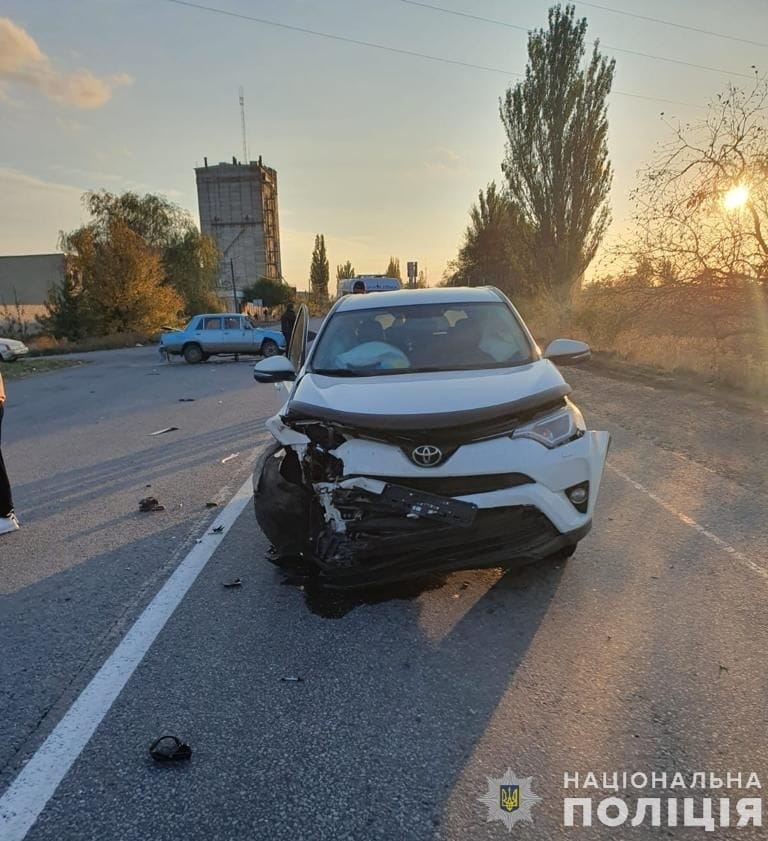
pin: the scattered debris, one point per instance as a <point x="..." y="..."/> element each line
<point x="292" y="679"/>
<point x="211" y="504"/>
<point x="217" y="530"/>
<point x="722" y="669"/>
<point x="139" y="344"/>
<point x="186" y="399"/>
<point x="167" y="429"/>
<point x="236" y="582"/>
<point x="229" y="458"/>
<point x="169" y="749"/>
<point x="149" y="503"/>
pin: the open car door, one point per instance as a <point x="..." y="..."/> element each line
<point x="297" y="347"/>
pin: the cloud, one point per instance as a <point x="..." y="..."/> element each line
<point x="443" y="161"/>
<point x="40" y="210"/>
<point x="112" y="181"/>
<point x="22" y="62"/>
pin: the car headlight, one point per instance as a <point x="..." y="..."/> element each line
<point x="554" y="429"/>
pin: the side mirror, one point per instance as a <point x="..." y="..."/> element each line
<point x="567" y="352"/>
<point x="274" y="369"/>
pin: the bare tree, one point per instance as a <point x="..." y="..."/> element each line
<point x="702" y="203"/>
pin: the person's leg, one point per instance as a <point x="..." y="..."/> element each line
<point x="6" y="501"/>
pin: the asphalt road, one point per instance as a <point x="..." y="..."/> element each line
<point x="644" y="653"/>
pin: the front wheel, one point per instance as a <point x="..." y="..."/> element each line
<point x="193" y="354"/>
<point x="269" y="348"/>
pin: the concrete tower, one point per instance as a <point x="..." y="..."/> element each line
<point x="238" y="208"/>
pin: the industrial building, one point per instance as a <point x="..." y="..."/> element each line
<point x="25" y="281"/>
<point x="238" y="208"/>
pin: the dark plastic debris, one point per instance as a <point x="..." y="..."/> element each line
<point x="217" y="530"/>
<point x="211" y="504"/>
<point x="149" y="503"/>
<point x="186" y="399"/>
<point x="169" y="749"/>
<point x="236" y="582"/>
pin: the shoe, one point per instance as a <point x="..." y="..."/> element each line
<point x="9" y="524"/>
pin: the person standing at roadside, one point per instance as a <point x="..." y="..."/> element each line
<point x="8" y="521"/>
<point x="287" y="322"/>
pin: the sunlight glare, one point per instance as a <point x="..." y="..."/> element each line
<point x="736" y="197"/>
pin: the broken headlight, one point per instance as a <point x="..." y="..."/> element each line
<point x="555" y="428"/>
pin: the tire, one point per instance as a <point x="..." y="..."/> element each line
<point x="193" y="354"/>
<point x="269" y="348"/>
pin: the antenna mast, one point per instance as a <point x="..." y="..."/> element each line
<point x="242" y="125"/>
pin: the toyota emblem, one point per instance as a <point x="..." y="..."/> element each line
<point x="427" y="455"/>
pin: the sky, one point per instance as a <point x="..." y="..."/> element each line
<point x="382" y="152"/>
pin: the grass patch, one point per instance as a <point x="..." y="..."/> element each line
<point x="30" y="366"/>
<point x="48" y="346"/>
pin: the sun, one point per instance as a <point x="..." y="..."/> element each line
<point x="736" y="197"/>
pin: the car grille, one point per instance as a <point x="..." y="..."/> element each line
<point x="390" y="543"/>
<point x="459" y="485"/>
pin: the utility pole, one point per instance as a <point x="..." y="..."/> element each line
<point x="413" y="273"/>
<point x="234" y="288"/>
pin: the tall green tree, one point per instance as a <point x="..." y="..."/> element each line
<point x="489" y="252"/>
<point x="345" y="270"/>
<point x="189" y="258"/>
<point x="114" y="283"/>
<point x="319" y="272"/>
<point x="556" y="165"/>
<point x="393" y="269"/>
<point x="271" y="292"/>
<point x="190" y="263"/>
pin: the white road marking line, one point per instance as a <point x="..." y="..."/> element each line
<point x="689" y="521"/>
<point x="29" y="793"/>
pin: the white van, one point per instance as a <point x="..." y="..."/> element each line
<point x="372" y="282"/>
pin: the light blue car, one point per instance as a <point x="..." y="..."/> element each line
<point x="221" y="333"/>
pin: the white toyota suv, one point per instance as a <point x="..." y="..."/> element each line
<point x="424" y="430"/>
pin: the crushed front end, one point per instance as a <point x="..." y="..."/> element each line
<point x="358" y="501"/>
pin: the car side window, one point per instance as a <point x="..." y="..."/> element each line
<point x="199" y="324"/>
<point x="231" y="323"/>
<point x="212" y="324"/>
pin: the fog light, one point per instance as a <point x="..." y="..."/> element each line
<point x="579" y="496"/>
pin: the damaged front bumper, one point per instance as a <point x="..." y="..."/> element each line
<point x="332" y="506"/>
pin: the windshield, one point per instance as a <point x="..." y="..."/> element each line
<point x="421" y="338"/>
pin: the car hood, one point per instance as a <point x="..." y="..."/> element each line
<point x="434" y="400"/>
<point x="13" y="344"/>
